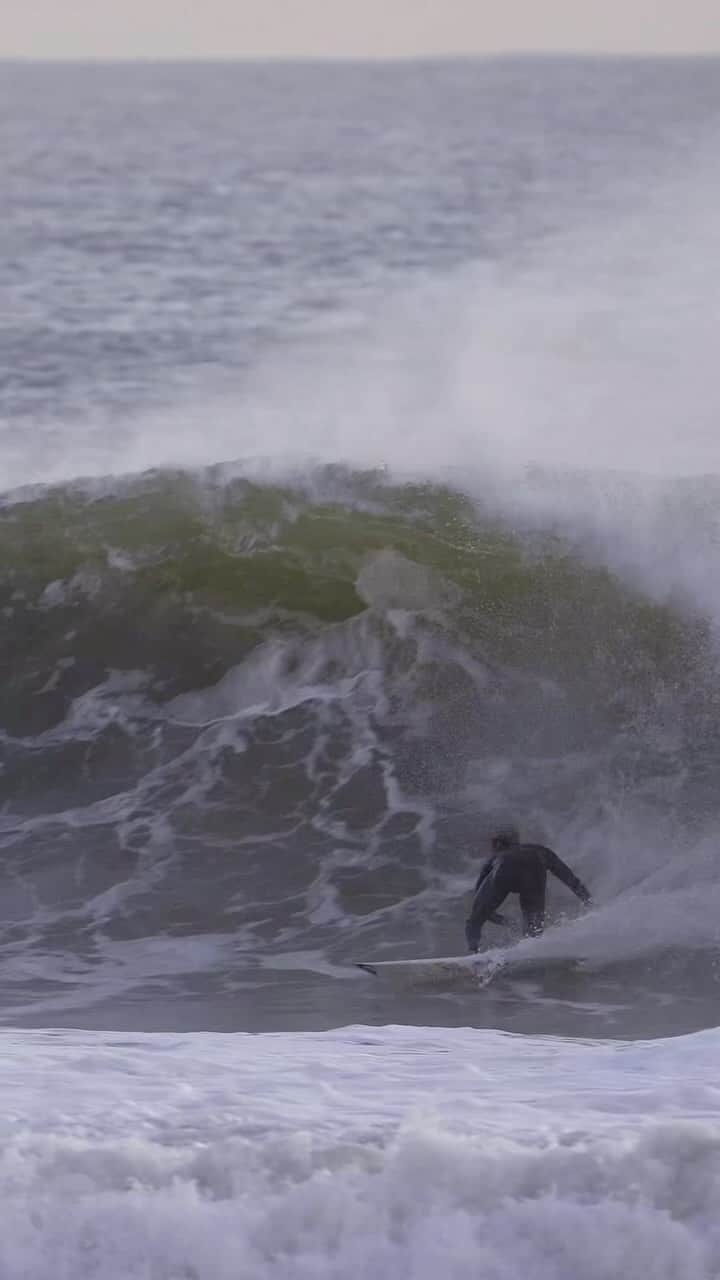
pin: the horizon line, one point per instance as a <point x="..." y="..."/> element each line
<point x="599" y="55"/>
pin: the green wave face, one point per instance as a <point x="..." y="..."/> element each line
<point x="182" y="577"/>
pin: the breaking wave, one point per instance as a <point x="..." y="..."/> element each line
<point x="254" y="727"/>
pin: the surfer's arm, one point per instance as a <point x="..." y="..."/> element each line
<point x="485" y="872"/>
<point x="568" y="877"/>
<point x="494" y="917"/>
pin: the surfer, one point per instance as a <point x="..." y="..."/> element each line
<point x="522" y="869"/>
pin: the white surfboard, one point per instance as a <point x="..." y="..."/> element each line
<point x="468" y="971"/>
<point x="451" y="972"/>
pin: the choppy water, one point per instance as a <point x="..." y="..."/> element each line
<point x="359" y="471"/>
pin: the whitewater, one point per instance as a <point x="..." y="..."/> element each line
<point x="359" y="490"/>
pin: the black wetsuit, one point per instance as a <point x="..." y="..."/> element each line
<point x="520" y="869"/>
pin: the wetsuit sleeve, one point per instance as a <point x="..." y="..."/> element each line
<point x="494" y="917"/>
<point x="485" y="872"/>
<point x="568" y="877"/>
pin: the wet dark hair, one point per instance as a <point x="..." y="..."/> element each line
<point x="505" y="837"/>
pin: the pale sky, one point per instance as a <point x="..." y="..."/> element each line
<point x="352" y="28"/>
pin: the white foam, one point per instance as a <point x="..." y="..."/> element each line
<point x="384" y="1152"/>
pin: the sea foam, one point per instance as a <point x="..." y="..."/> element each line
<point x="384" y="1152"/>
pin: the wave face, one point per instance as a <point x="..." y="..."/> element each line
<point x="254" y="730"/>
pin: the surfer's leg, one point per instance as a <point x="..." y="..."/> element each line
<point x="533" y="913"/>
<point x="491" y="895"/>
<point x="533" y="923"/>
<point x="532" y="899"/>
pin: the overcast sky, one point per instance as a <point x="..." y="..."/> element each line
<point x="351" y="28"/>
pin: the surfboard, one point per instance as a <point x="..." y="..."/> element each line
<point x="469" y="971"/>
<point x="444" y="971"/>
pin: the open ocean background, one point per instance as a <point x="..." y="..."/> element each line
<point x="359" y="488"/>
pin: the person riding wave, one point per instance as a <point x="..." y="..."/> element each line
<point x="522" y="869"/>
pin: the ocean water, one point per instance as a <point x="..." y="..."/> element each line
<point x="359" y="488"/>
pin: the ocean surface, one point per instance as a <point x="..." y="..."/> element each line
<point x="359" y="489"/>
